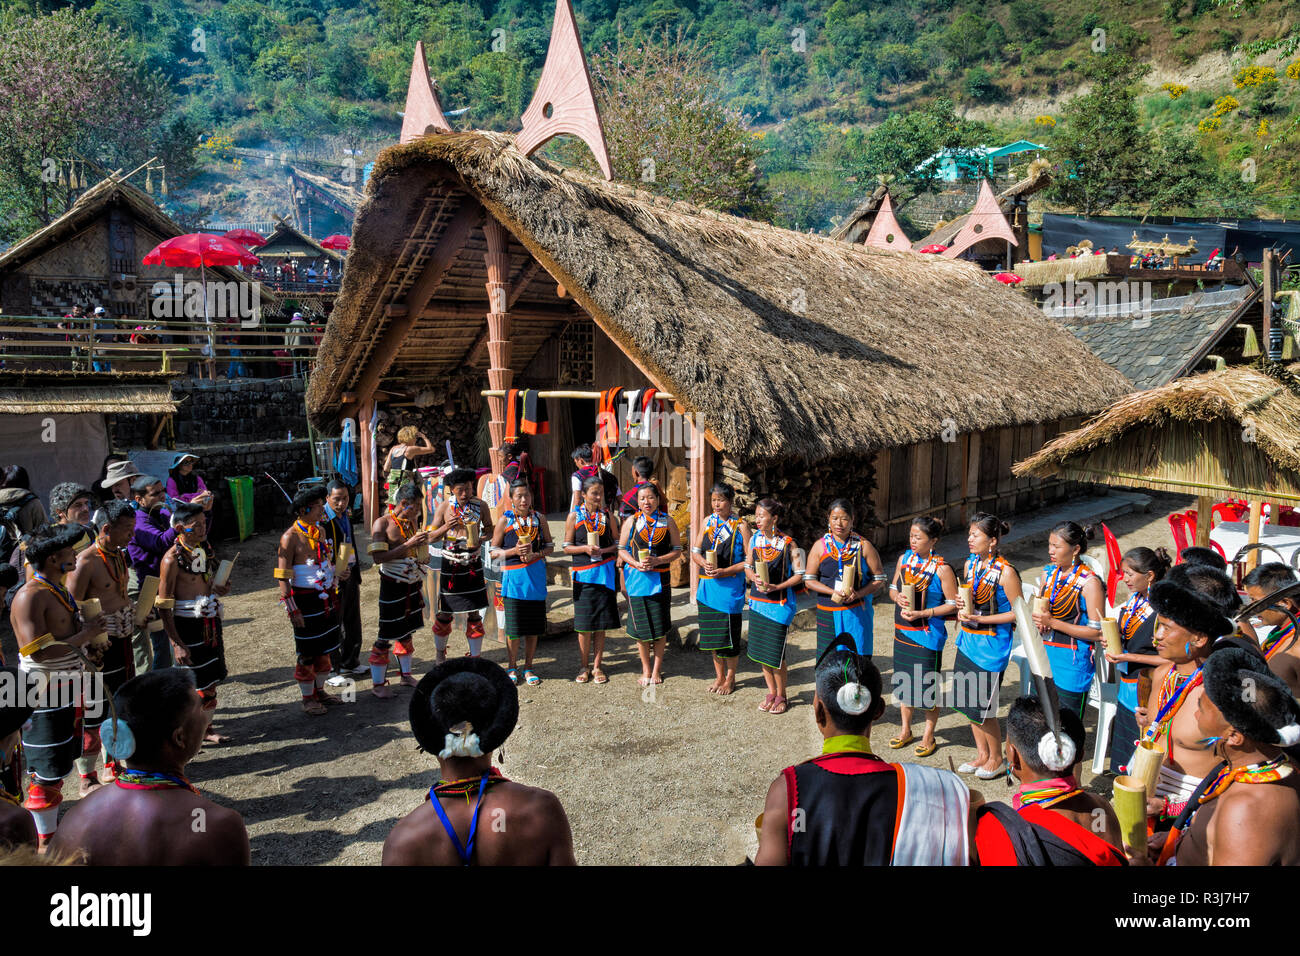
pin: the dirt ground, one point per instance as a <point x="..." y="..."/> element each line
<point x="676" y="778"/>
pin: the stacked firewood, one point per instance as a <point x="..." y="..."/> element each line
<point x="805" y="491"/>
<point x="452" y="414"/>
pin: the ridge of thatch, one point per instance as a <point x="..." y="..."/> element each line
<point x="284" y="228"/>
<point x="786" y="344"/>
<point x="104" y="399"/>
<point x="1041" y="273"/>
<point x="1236" y="429"/>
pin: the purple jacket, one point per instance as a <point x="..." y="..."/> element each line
<point x="153" y="536"/>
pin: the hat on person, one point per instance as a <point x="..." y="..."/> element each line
<point x="1251" y="697"/>
<point x="181" y="456"/>
<point x="296" y="317"/>
<point x="119" y="470"/>
<point x="1189" y="609"/>
<point x="100" y="310"/>
<point x="465" y="707"/>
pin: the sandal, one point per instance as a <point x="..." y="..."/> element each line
<point x="767" y="703"/>
<point x="584" y="675"/>
<point x="531" y="679"/>
<point x="312" y="707"/>
<point x="779" y="706"/>
<point x="599" y="676"/>
<point x="513" y="674"/>
<point x="923" y="751"/>
<point x="898" y="743"/>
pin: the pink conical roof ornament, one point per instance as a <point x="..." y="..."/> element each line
<point x="885" y="232"/>
<point x="984" y="221"/>
<point x="422" y="107"/>
<point x="565" y="101"/>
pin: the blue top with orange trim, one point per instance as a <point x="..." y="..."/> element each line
<point x="923" y="574"/>
<point x="1137" y="628"/>
<point x="835" y="558"/>
<point x="1072" y="660"/>
<point x="726" y="595"/>
<point x="651" y="534"/>
<point x="777" y="551"/>
<point x="593" y="529"/>
<point x="523" y="582"/>
<point x="987" y="645"/>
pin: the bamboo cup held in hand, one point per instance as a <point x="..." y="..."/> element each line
<point x="967" y="598"/>
<point x="1041" y="605"/>
<point x="909" y="595"/>
<point x="471" y="535"/>
<point x="1130" y="803"/>
<point x="848" y="580"/>
<point x="92" y="608"/>
<point x="643" y="555"/>
<point x="761" y="571"/>
<point x="1145" y="764"/>
<point x="1110" y="634"/>
<point x="711" y="557"/>
<point x="222" y="577"/>
<point x="341" y="559"/>
<point x="148" y="594"/>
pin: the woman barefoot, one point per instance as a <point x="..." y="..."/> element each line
<point x="648" y="544"/>
<point x="720" y="596"/>
<point x="920" y="631"/>
<point x="590" y="535"/>
<point x="771" y="605"/>
<point x="984" y="642"/>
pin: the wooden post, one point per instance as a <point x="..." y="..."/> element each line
<point x="701" y="478"/>
<point x="1256" y="510"/>
<point x="500" y="373"/>
<point x="1204" y="506"/>
<point x="1266" y="297"/>
<point x="369" y="480"/>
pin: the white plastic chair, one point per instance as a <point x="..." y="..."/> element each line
<point x="1018" y="655"/>
<point x="1104" y="696"/>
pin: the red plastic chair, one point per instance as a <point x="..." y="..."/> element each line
<point x="1224" y="511"/>
<point x="1191" y="524"/>
<point x="1114" y="573"/>
<point x="1178" y="528"/>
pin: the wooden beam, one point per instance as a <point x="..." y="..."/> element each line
<point x="449" y="246"/>
<point x="1267" y="296"/>
<point x="1204" y="513"/>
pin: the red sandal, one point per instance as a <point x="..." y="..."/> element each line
<point x="768" y="701"/>
<point x="779" y="706"/>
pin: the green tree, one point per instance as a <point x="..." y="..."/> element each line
<point x="668" y="130"/>
<point x="900" y="146"/>
<point x="1099" y="142"/>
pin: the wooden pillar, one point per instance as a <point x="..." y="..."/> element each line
<point x="1204" y="512"/>
<point x="370" y="491"/>
<point x="1256" y="511"/>
<point x="701" y="479"/>
<point x="500" y="374"/>
<point x="1267" y="297"/>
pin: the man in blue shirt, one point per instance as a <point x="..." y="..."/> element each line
<point x="338" y="527"/>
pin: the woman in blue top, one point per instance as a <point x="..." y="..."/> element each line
<point x="771" y="604"/>
<point x="521" y="539"/>
<point x="720" y="596"/>
<point x="591" y="537"/>
<point x="1071" y="624"/>
<point x="1142" y="568"/>
<point x="837" y="551"/>
<point x="649" y="542"/>
<point x="984" y="642"/>
<point x="921" y="631"/>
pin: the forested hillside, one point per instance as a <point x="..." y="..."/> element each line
<point x="831" y="94"/>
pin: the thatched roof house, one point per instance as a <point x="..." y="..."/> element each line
<point x="791" y="347"/>
<point x="287" y="242"/>
<point x="1235" y="431"/>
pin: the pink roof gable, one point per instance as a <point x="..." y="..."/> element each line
<point x="422" y="107"/>
<point x="885" y="232"/>
<point x="984" y="221"/>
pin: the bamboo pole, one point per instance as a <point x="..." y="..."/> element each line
<point x="594" y="396"/>
<point x="1256" y="510"/>
<point x="1204" y="512"/>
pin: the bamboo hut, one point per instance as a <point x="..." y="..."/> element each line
<point x="1230" y="433"/>
<point x="813" y="368"/>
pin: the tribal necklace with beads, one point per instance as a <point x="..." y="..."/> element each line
<point x="1173" y="691"/>
<point x="128" y="778"/>
<point x="1045" y="793"/>
<point x="834" y="549"/>
<point x="195" y="562"/>
<point x="650" y="530"/>
<point x="1269" y="771"/>
<point x="1279" y="640"/>
<point x="464" y="787"/>
<point x="63" y="594"/>
<point x="525" y="527"/>
<point x="714" y="526"/>
<point x="403" y="528"/>
<point x="313" y="535"/>
<point x="918" y="571"/>
<point x="115" y="564"/>
<point x="1068" y="590"/>
<point x="1133" y="615"/>
<point x="595" y="524"/>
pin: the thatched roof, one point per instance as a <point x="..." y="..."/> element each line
<point x="1231" y="432"/>
<point x="1038" y="274"/>
<point x="788" y="345"/>
<point x="102" y="399"/>
<point x="92" y="204"/>
<point x="285" y="240"/>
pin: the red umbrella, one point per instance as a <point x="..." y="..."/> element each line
<point x="197" y="249"/>
<point x="934" y="247"/>
<point x="336" y="241"/>
<point x="1008" y="278"/>
<point x="246" y="238"/>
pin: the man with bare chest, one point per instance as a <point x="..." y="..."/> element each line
<point x="51" y="636"/>
<point x="309" y="594"/>
<point x="1188" y="623"/>
<point x="152" y="815"/>
<point x="462" y="711"/>
<point x="1281" y="648"/>
<point x="190" y="604"/>
<point x="102" y="574"/>
<point x="397" y="547"/>
<point x="1246" y="812"/>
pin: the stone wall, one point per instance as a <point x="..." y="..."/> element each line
<point x="208" y="413"/>
<point x="288" y="462"/>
